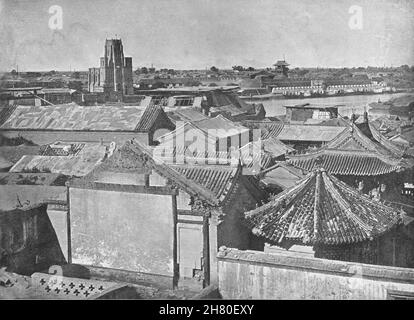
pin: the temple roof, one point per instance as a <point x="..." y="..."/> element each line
<point x="321" y="209"/>
<point x="353" y="153"/>
<point x="280" y="63"/>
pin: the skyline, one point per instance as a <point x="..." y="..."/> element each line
<point x="186" y="35"/>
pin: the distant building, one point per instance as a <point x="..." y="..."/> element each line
<point x="114" y="75"/>
<point x="310" y="114"/>
<point x="281" y="67"/>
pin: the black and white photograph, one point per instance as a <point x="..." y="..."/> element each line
<point x="227" y="151"/>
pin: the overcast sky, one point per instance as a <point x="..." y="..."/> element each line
<point x="195" y="34"/>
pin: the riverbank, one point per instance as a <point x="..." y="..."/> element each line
<point x="349" y="103"/>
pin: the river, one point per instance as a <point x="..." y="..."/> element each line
<point x="357" y="103"/>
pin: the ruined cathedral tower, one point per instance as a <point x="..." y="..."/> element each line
<point x="114" y="76"/>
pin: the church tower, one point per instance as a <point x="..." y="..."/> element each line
<point x="115" y="71"/>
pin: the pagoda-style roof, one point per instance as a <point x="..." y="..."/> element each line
<point x="281" y="63"/>
<point x="353" y="153"/>
<point x="321" y="209"/>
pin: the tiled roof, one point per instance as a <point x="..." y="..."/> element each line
<point x="263" y="152"/>
<point x="281" y="63"/>
<point x="6" y="112"/>
<point x="350" y="153"/>
<point x="218" y="180"/>
<point x="178" y="154"/>
<point x="283" y="175"/>
<point x="220" y="123"/>
<point x="252" y="160"/>
<point x="217" y="98"/>
<point x="213" y="128"/>
<point x="344" y="163"/>
<point x="231" y="110"/>
<point x="268" y="128"/>
<point x="383" y="141"/>
<point x="309" y="133"/>
<point x="74" y="117"/>
<point x="186" y="114"/>
<point x="321" y="209"/>
<point x="149" y="117"/>
<point x="72" y="165"/>
<point x="133" y="156"/>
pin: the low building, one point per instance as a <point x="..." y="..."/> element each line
<point x="310" y="114"/>
<point x="303" y="137"/>
<point x="207" y="135"/>
<point x="72" y="122"/>
<point x="133" y="212"/>
<point x="211" y="101"/>
<point x="363" y="158"/>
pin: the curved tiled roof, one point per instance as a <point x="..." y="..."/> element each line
<point x="344" y="163"/>
<point x="218" y="180"/>
<point x="351" y="153"/>
<point x="321" y="209"/>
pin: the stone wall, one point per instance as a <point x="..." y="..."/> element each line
<point x="259" y="275"/>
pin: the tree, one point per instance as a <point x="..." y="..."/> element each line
<point x="214" y="69"/>
<point x="13" y="72"/>
<point x="303" y="72"/>
<point x="237" y="68"/>
<point x="76" y="85"/>
<point x="143" y="70"/>
<point x="250" y="69"/>
<point x="76" y="75"/>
